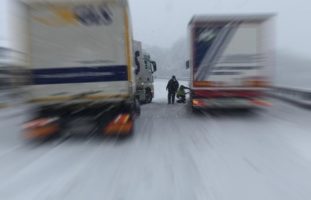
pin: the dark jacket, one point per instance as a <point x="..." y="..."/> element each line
<point x="172" y="86"/>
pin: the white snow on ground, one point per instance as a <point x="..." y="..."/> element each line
<point x="174" y="155"/>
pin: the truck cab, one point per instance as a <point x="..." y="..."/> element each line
<point x="145" y="68"/>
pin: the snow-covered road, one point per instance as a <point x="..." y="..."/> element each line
<point x="174" y="155"/>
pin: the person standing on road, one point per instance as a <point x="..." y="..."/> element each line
<point x="172" y="87"/>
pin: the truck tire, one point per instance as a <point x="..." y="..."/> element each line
<point x="148" y="96"/>
<point x="137" y="109"/>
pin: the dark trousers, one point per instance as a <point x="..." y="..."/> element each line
<point x="171" y="97"/>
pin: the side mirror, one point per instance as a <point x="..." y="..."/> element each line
<point x="154" y="64"/>
<point x="187" y="64"/>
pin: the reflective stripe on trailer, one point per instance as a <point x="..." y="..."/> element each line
<point x="226" y="93"/>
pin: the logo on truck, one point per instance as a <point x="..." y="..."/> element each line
<point x="88" y="15"/>
<point x="91" y="15"/>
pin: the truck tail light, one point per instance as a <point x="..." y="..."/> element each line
<point x="39" y="123"/>
<point x="41" y="128"/>
<point x="198" y="102"/>
<point x="122" y="124"/>
<point x="121" y="119"/>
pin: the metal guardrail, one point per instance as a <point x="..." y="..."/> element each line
<point x="298" y="96"/>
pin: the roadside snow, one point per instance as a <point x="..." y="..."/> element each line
<point x="174" y="155"/>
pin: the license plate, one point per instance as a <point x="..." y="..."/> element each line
<point x="81" y="126"/>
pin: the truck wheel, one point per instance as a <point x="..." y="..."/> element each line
<point x="148" y="96"/>
<point x="137" y="109"/>
<point x="195" y="111"/>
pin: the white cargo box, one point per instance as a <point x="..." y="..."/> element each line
<point x="231" y="51"/>
<point x="80" y="50"/>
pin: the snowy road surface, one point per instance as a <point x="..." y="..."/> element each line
<point x="174" y="155"/>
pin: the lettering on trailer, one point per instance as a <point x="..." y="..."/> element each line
<point x="88" y="15"/>
<point x="79" y="75"/>
<point x="91" y="15"/>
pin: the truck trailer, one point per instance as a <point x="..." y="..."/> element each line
<point x="82" y="72"/>
<point x="231" y="60"/>
<point x="145" y="67"/>
<point x="13" y="51"/>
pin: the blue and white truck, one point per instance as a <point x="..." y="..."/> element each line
<point x="81" y="62"/>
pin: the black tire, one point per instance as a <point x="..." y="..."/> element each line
<point x="137" y="109"/>
<point x="148" y="96"/>
<point x="194" y="110"/>
<point x="197" y="111"/>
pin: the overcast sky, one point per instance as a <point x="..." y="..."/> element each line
<point x="162" y="22"/>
